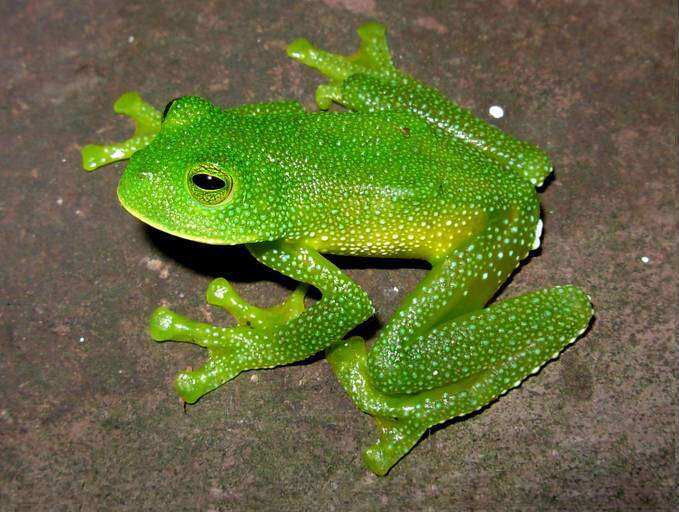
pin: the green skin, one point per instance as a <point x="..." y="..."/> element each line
<point x="406" y="173"/>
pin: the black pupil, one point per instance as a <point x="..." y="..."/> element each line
<point x="208" y="182"/>
<point x="167" y="108"/>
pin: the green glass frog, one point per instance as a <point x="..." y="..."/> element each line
<point x="405" y="173"/>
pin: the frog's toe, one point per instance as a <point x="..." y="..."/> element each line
<point x="166" y="325"/>
<point x="335" y="67"/>
<point x="221" y="293"/>
<point x="193" y="384"/>
<point x="294" y="304"/>
<point x="327" y="94"/>
<point x="94" y="155"/>
<point x="373" y="33"/>
<point x="375" y="460"/>
<point x="392" y="446"/>
<point x="301" y="50"/>
<point x="187" y="386"/>
<point x="373" y="53"/>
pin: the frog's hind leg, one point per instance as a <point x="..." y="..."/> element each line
<point x="372" y="58"/>
<point x="504" y="344"/>
<point x="458" y="283"/>
<point x="147" y="124"/>
<point x="367" y="81"/>
<point x="441" y="339"/>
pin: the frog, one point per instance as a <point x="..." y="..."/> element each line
<point x="400" y="172"/>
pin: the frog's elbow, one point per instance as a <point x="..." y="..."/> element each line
<point x="536" y="167"/>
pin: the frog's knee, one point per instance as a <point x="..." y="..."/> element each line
<point x="386" y="371"/>
<point x="575" y="304"/>
<point x="326" y="94"/>
<point x="534" y="165"/>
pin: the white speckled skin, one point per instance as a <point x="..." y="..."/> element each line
<point x="407" y="174"/>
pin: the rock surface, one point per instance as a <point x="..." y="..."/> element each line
<point x="88" y="416"/>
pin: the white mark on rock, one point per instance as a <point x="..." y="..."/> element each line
<point x="155" y="265"/>
<point x="645" y="259"/>
<point x="496" y="111"/>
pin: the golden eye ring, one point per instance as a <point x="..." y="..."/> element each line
<point x="209" y="184"/>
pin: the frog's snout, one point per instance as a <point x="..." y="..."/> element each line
<point x="136" y="191"/>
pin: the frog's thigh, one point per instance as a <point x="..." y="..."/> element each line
<point x="461" y="282"/>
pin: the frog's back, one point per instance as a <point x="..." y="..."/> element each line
<point x="384" y="183"/>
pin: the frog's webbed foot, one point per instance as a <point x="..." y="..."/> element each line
<point x="147" y="124"/>
<point x="372" y="58"/>
<point x="510" y="341"/>
<point x="231" y="349"/>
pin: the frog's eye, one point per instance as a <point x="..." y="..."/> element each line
<point x="168" y="107"/>
<point x="209" y="184"/>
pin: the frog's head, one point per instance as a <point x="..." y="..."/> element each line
<point x="197" y="181"/>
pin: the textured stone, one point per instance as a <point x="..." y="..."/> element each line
<point x="88" y="417"/>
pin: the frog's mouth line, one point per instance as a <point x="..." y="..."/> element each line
<point x="155" y="225"/>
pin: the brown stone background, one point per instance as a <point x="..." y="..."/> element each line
<point x="88" y="417"/>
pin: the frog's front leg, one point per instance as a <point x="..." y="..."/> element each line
<point x="267" y="337"/>
<point x="442" y="356"/>
<point x="147" y="125"/>
<point x="148" y="121"/>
